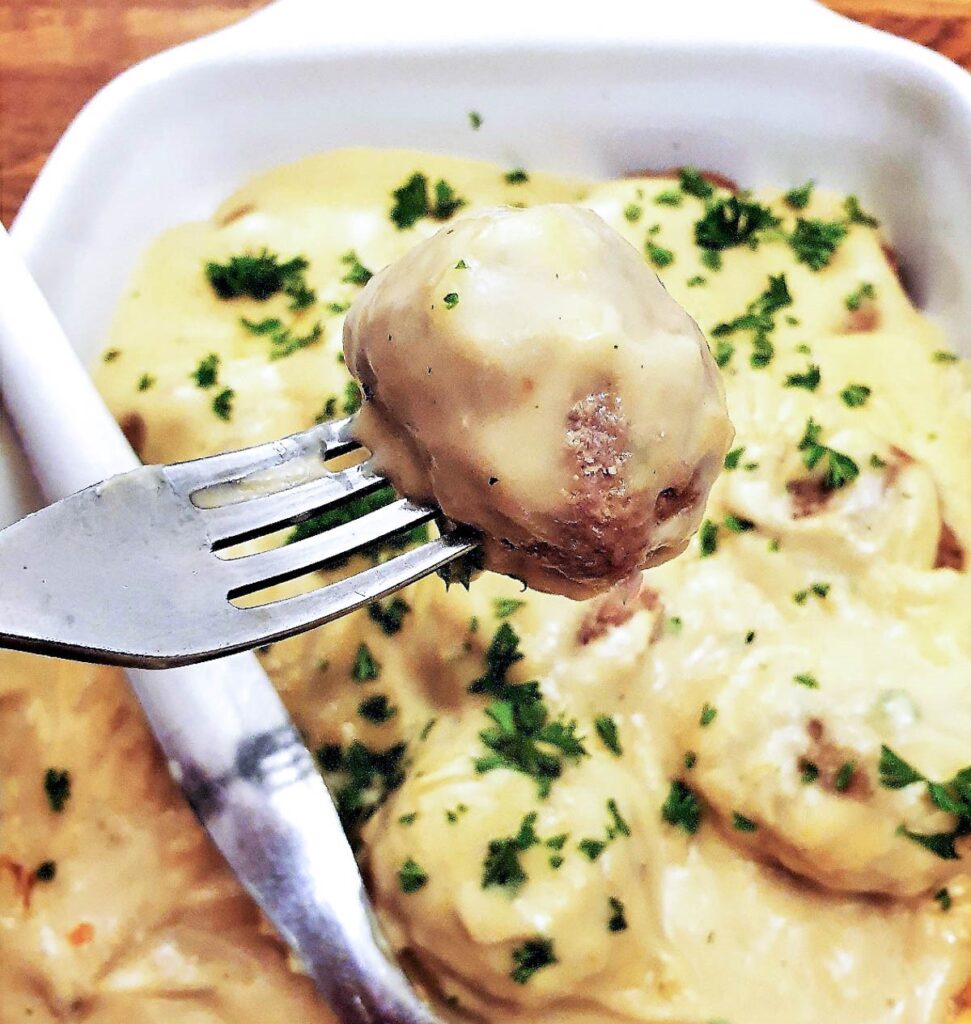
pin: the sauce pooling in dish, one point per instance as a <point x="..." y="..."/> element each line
<point x="527" y="371"/>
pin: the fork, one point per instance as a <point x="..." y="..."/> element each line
<point x="126" y="572"/>
<point x="228" y="740"/>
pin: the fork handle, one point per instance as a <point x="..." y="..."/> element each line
<point x="228" y="739"/>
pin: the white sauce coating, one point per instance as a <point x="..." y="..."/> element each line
<point x="527" y="371"/>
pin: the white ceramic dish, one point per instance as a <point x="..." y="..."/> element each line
<point x="763" y="90"/>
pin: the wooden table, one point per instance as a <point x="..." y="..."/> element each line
<point x="54" y="54"/>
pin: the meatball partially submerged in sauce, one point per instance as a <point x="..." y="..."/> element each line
<point x="527" y="371"/>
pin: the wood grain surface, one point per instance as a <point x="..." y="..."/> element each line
<point x="55" y="54"/>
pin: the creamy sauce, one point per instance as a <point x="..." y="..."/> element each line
<point x="823" y="912"/>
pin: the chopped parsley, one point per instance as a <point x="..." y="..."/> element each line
<point x="806" y="679"/>
<point x="389" y="615"/>
<point x="502" y="867"/>
<point x="260" y="277"/>
<point x="708" y="538"/>
<point x="952" y="797"/>
<point x="693" y="184"/>
<point x="503" y="607"/>
<point x="724" y="350"/>
<point x="146" y="381"/>
<point x="451" y="300"/>
<point x="365" y="667"/>
<point x="411" y="877"/>
<point x="708" y="714"/>
<point x="57" y="788"/>
<point x="591" y="848"/>
<point x="357" y="273"/>
<point x="609" y="734"/>
<point x="808" y="772"/>
<point x="855" y="395"/>
<point x="943" y="356"/>
<point x="855" y="214"/>
<point x="411" y="202"/>
<point x="711" y="259"/>
<point x="475" y="120"/>
<point x="943" y="898"/>
<point x="815" y="241"/>
<point x="532" y="956"/>
<point x="808" y="380"/>
<point x="682" y="808"/>
<point x="517" y="176"/>
<point x="352" y="398"/>
<point x="447" y="201"/>
<point x="742" y="824"/>
<point x="733" y="457"/>
<point x="821" y="590"/>
<point x="46" y="871"/>
<point x="362" y="778"/>
<point x="697" y="281"/>
<point x="377" y="709"/>
<point x="840" y="468"/>
<point x="737" y="524"/>
<point x="731" y="222"/>
<point x="461" y="265"/>
<point x="895" y="772"/>
<point x="759" y="318"/>
<point x="632" y="212"/>
<point x="408" y="819"/>
<point x="658" y="255"/>
<point x="111" y="355"/>
<point x="283" y="342"/>
<point x="798" y="198"/>
<point x="690" y="760"/>
<point x="845" y="776"/>
<point x="522" y="737"/>
<point x="855" y="299"/>
<point x="222" y="404"/>
<point x="617" y="921"/>
<point x="207" y="372"/>
<point x="670" y="197"/>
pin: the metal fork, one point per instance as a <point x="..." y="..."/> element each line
<point x="127" y="573"/>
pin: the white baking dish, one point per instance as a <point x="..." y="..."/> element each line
<point x="764" y="90"/>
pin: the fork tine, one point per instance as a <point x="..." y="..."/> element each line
<point x="326" y="439"/>
<point x="254" y="572"/>
<point x="280" y="619"/>
<point x="231" y="524"/>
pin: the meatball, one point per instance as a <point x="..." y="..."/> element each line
<point x="526" y="371"/>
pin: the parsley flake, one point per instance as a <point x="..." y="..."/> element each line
<point x="609" y="734"/>
<point x="222" y="404"/>
<point x="411" y="877"/>
<point x="732" y="222"/>
<point x="365" y="667"/>
<point x="206" y="373"/>
<point x="855" y="395"/>
<point x="57" y="788"/>
<point x="532" y="956"/>
<point x="617" y="921"/>
<point x="808" y="380"/>
<point x="855" y="214"/>
<point x="798" y="198"/>
<point x="815" y="241"/>
<point x="682" y="808"/>
<point x="693" y="184"/>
